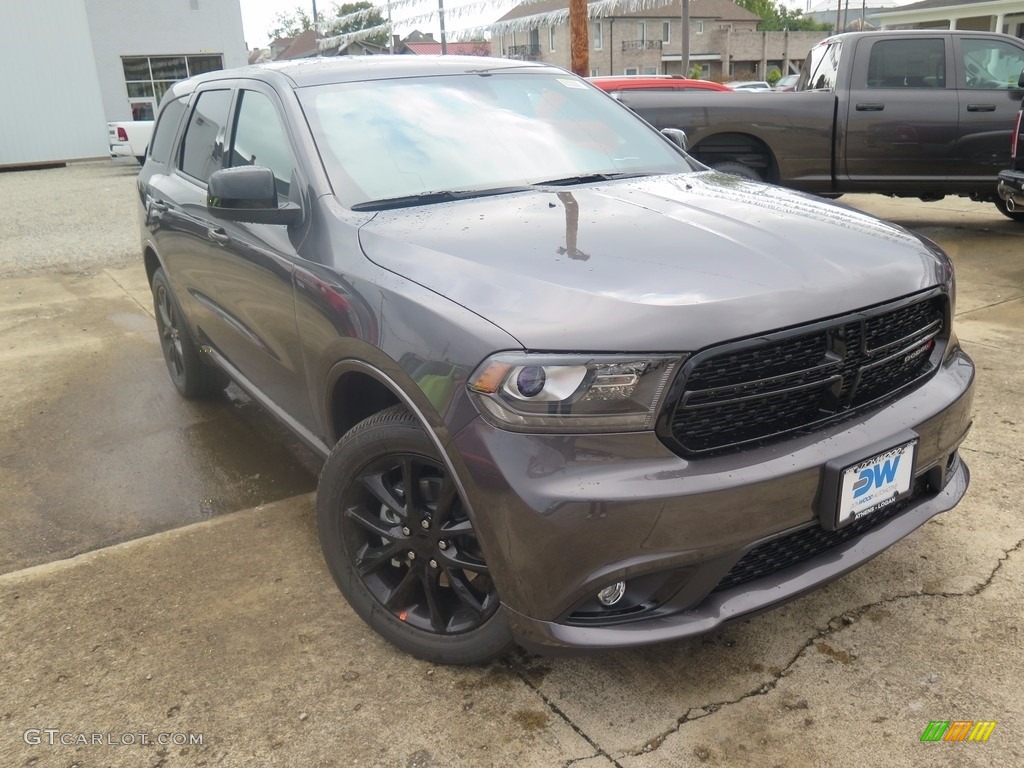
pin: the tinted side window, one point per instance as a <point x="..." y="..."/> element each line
<point x="260" y="139"/>
<point x="202" y="147"/>
<point x="821" y="68"/>
<point x="907" y="64"/>
<point x="991" y="63"/>
<point x="166" y="127"/>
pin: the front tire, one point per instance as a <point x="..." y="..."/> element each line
<point x="402" y="548"/>
<point x="1016" y="215"/>
<point x="192" y="376"/>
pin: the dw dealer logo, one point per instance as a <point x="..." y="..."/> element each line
<point x="958" y="730"/>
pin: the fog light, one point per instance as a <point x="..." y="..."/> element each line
<point x="609" y="596"/>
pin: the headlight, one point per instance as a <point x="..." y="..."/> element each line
<point x="572" y="393"/>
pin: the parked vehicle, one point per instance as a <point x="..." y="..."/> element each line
<point x="750" y="85"/>
<point x="786" y="83"/>
<point x="1011" y="180"/>
<point x="617" y="84"/>
<point x="909" y="113"/>
<point x="130" y="139"/>
<point x="571" y="388"/>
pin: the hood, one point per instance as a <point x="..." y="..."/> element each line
<point x="659" y="264"/>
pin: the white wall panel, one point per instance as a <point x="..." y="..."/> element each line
<point x="50" y="103"/>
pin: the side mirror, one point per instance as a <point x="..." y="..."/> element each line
<point x="677" y="137"/>
<point x="248" y="194"/>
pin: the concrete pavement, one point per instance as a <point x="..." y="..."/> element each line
<point x="227" y="629"/>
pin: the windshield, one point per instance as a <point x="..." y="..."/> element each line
<point x="404" y="138"/>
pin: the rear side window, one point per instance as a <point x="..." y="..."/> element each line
<point x="260" y="139"/>
<point x="166" y="127"/>
<point x="991" y="64"/>
<point x="821" y="68"/>
<point x="907" y="64"/>
<point x="203" y="145"/>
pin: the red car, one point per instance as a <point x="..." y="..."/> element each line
<point x="615" y="84"/>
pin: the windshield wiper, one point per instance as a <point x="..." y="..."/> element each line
<point x="587" y="179"/>
<point x="429" y="198"/>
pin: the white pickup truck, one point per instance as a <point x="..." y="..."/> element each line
<point x="130" y="139"/>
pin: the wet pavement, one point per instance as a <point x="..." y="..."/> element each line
<point x="225" y="624"/>
<point x="96" y="446"/>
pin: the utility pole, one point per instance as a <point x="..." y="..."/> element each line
<point x="684" y="42"/>
<point x="444" y="38"/>
<point x="579" y="40"/>
<point x="316" y="22"/>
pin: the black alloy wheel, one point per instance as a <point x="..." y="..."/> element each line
<point x="402" y="547"/>
<point x="192" y="376"/>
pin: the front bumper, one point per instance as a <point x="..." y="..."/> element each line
<point x="1011" y="188"/>
<point x="561" y="517"/>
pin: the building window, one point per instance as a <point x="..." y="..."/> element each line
<point x="666" y="33"/>
<point x="596" y="34"/>
<point x="649" y="71"/>
<point x="594" y="72"/>
<point x="551" y="39"/>
<point x="699" y="27"/>
<point x="641" y="31"/>
<point x="148" y="77"/>
<point x="630" y="71"/>
<point x="725" y="26"/>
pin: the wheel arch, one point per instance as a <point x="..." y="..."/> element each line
<point x="152" y="262"/>
<point x="740" y="147"/>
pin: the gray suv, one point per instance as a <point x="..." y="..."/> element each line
<point x="573" y="389"/>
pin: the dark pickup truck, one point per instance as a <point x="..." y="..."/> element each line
<point x="1011" y="181"/>
<point x="909" y="113"/>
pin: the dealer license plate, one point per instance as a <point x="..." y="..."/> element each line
<point x="876" y="482"/>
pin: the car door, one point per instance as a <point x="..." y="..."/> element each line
<point x="987" y="73"/>
<point x="175" y="205"/>
<point x="901" y="119"/>
<point x="249" y="277"/>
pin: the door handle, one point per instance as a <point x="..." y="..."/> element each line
<point x="981" y="107"/>
<point x="218" y="235"/>
<point x="870" y="107"/>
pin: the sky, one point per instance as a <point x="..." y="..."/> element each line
<point x="258" y="15"/>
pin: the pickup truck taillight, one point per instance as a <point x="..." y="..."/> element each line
<point x="1015" y="137"/>
<point x="123" y="136"/>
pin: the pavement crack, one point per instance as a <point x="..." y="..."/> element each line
<point x="834" y="624"/>
<point x="147" y="310"/>
<point x="517" y="669"/>
<point x="575" y="760"/>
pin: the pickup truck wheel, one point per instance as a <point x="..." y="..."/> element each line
<point x="401" y="546"/>
<point x="193" y="377"/>
<point x="1016" y="214"/>
<point x="738" y="169"/>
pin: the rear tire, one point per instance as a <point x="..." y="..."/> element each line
<point x="193" y="376"/>
<point x="1016" y="214"/>
<point x="402" y="548"/>
<point x="738" y="169"/>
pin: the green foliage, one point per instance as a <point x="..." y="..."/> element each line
<point x="373" y="19"/>
<point x="776" y="17"/>
<point x="774" y="75"/>
<point x="294" y="23"/>
<point x="695" y="72"/>
<point x="290" y="24"/>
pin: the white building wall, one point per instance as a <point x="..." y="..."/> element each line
<point x="158" y="28"/>
<point x="50" y="103"/>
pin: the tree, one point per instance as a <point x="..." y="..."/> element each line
<point x="290" y="24"/>
<point x="298" y="21"/>
<point x="371" y="19"/>
<point x="776" y="17"/>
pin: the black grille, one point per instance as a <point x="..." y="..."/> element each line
<point x="786" y="551"/>
<point x="755" y="390"/>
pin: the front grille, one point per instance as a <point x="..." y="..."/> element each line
<point x="785" y="551"/>
<point x="758" y="389"/>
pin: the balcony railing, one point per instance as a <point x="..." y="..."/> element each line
<point x="641" y="45"/>
<point x="523" y="52"/>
